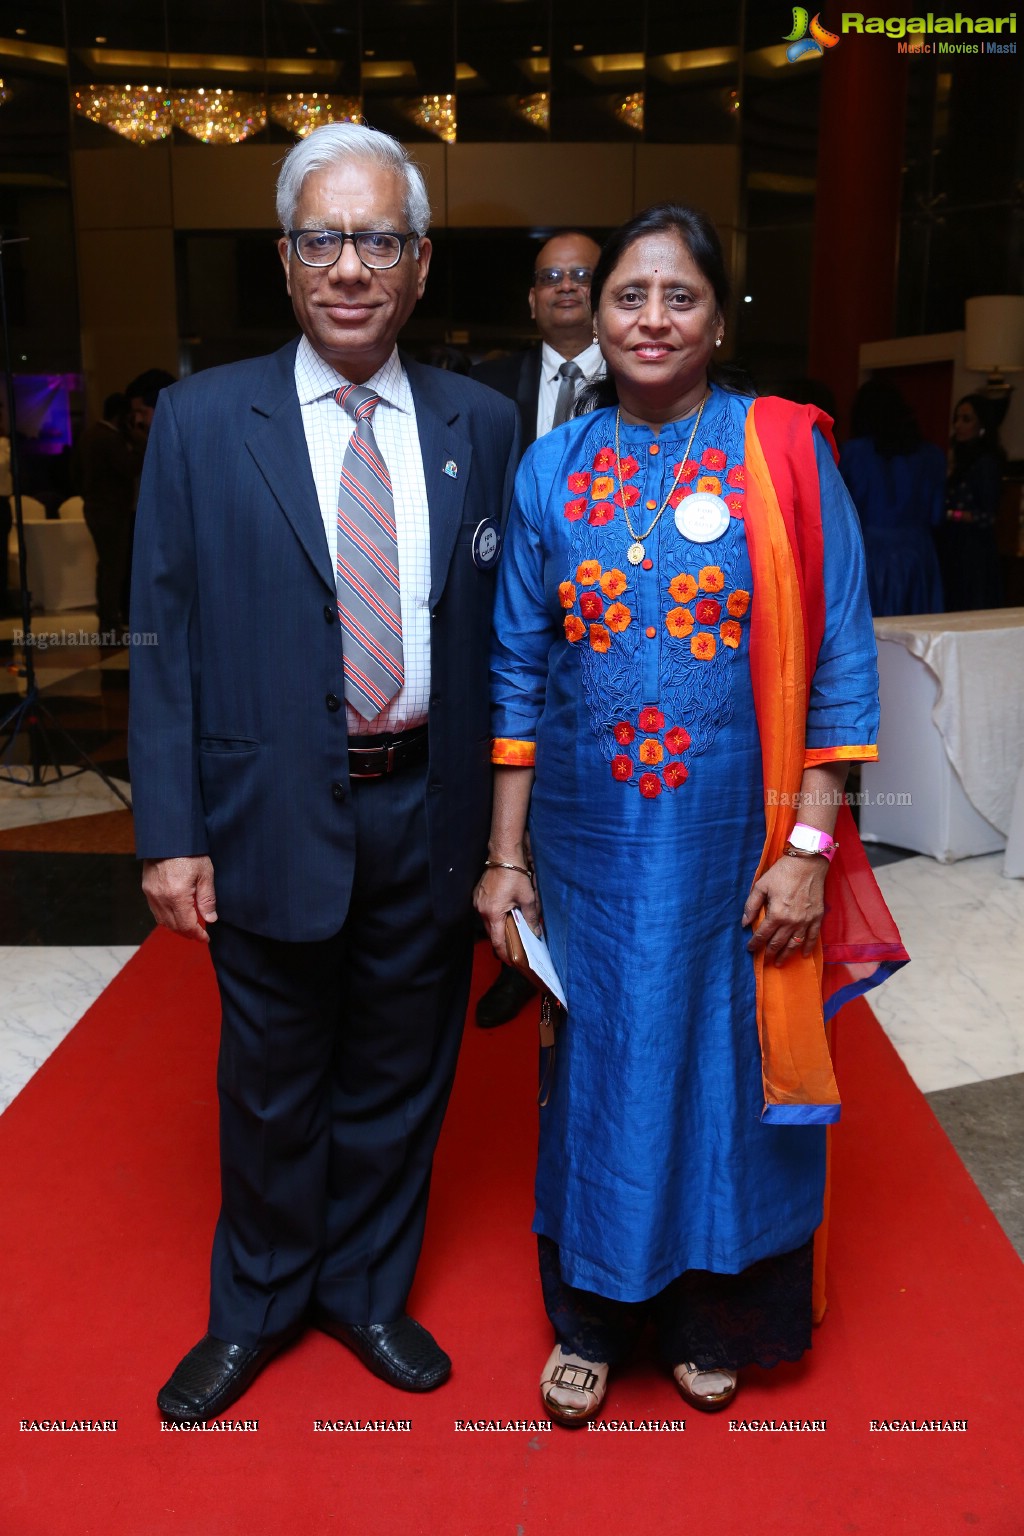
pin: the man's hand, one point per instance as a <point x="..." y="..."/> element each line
<point x="181" y="895"/>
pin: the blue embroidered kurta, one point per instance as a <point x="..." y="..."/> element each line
<point x="647" y="823"/>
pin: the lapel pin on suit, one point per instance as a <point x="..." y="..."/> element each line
<point x="451" y="469"/>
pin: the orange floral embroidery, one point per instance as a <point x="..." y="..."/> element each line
<point x="731" y="633"/>
<point x="591" y="605"/>
<point x="575" y="628"/>
<point x="703" y="646"/>
<point x="710" y="483"/>
<point x="738" y="602"/>
<point x="602" y="488"/>
<point x="679" y="622"/>
<point x="651" y="752"/>
<point x="682" y="588"/>
<point x="711" y="578"/>
<point x="588" y="572"/>
<point x="566" y="593"/>
<point x="613" y="583"/>
<point x="618" y="617"/>
<point x="600" y="639"/>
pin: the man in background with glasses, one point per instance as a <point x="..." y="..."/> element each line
<point x="310" y="742"/>
<point x="544" y="382"/>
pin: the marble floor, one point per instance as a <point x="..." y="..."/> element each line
<point x="70" y="919"/>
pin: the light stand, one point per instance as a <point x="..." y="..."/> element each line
<point x="30" y="716"/>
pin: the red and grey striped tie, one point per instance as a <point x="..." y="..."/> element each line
<point x="369" y="605"/>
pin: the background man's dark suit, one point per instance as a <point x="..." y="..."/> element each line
<point x="517" y="377"/>
<point x="239" y="750"/>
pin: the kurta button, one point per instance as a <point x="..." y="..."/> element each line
<point x="653" y="448"/>
<point x="651" y="631"/>
<point x="648" y="565"/>
<point x="329" y="613"/>
<point x="333" y="702"/>
<point x="338" y="791"/>
<point x="652" y="506"/>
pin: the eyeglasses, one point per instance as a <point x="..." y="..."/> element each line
<point x="552" y="277"/>
<point x="377" y="249"/>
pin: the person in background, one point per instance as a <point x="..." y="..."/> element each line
<point x="545" y="382"/>
<point x="318" y="537"/>
<point x="683" y="669"/>
<point x="967" y="539"/>
<point x="107" y="470"/>
<point x="897" y="482"/>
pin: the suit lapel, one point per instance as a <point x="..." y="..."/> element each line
<point x="528" y="393"/>
<point x="277" y="442"/>
<point x="441" y="444"/>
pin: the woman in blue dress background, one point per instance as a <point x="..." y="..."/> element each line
<point x="626" y="737"/>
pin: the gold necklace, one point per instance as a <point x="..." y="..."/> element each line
<point x="635" y="553"/>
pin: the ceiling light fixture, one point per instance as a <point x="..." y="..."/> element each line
<point x="436" y="114"/>
<point x="302" y="111"/>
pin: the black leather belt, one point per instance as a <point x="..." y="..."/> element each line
<point x="374" y="757"/>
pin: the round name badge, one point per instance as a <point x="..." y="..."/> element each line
<point x="702" y="517"/>
<point x="486" y="544"/>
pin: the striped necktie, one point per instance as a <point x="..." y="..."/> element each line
<point x="567" y="376"/>
<point x="369" y="603"/>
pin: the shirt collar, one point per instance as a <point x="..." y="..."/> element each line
<point x="590" y="360"/>
<point x="317" y="380"/>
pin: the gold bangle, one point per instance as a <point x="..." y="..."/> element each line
<point x="504" y="864"/>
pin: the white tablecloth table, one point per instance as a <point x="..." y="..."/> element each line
<point x="61" y="566"/>
<point x="951" y="741"/>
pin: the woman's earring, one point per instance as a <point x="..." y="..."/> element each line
<point x="718" y="341"/>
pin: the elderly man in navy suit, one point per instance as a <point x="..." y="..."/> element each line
<point x="317" y="539"/>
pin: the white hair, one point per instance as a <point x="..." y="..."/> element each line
<point x="336" y="142"/>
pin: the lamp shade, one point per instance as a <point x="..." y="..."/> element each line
<point x="995" y="333"/>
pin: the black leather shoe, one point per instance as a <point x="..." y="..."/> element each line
<point x="211" y="1377"/>
<point x="507" y="997"/>
<point x="402" y="1353"/>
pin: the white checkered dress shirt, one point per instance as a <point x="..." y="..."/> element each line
<point x="328" y="429"/>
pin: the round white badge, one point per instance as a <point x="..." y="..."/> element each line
<point x="702" y="517"/>
<point x="486" y="546"/>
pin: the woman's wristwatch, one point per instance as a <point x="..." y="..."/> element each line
<point x="804" y="842"/>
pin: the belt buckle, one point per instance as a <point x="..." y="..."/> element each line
<point x="389" y="759"/>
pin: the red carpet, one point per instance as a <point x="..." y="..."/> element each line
<point x="109" y="1198"/>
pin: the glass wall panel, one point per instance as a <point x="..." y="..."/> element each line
<point x="503" y="70"/>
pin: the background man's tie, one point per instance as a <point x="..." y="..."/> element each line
<point x="568" y="373"/>
<point x="369" y="606"/>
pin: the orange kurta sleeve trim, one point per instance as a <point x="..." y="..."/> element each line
<point x="815" y="755"/>
<point x="508" y="753"/>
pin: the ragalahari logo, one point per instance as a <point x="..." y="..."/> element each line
<point x="800" y="45"/>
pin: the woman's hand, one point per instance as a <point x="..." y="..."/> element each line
<point x="792" y="896"/>
<point x="498" y="891"/>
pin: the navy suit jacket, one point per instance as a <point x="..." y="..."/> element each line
<point x="518" y="377"/>
<point x="234" y="751"/>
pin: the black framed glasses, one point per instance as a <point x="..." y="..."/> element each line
<point x="377" y="249"/>
<point x="552" y="277"/>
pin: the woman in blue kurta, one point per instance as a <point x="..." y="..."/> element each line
<point x="626" y="731"/>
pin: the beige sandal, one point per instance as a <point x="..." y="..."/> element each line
<point x="707" y="1390"/>
<point x="583" y="1380"/>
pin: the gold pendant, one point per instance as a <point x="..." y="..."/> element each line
<point x="635" y="553"/>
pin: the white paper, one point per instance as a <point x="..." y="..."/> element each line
<point x="539" y="956"/>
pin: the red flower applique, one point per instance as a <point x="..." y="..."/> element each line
<point x="676" y="774"/>
<point x="679" y="494"/>
<point x="592" y="607"/>
<point x="677" y="740"/>
<point x="651" y="718"/>
<point x="650" y="786"/>
<point x="627" y="497"/>
<point x="579" y="483"/>
<point x="574" y="510"/>
<point x="713" y="458"/>
<point x="623" y="733"/>
<point x="622" y="767"/>
<point x="707" y="611"/>
<point x="737" y="476"/>
<point x="600" y="515"/>
<point x="628" y="467"/>
<point x="687" y="470"/>
<point x="604" y="458"/>
<point x="734" y="501"/>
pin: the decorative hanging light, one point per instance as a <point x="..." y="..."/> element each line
<point x="630" y="111"/>
<point x="302" y="111"/>
<point x="219" y="117"/>
<point x="436" y="114"/>
<point x="135" y="112"/>
<point x="536" y="109"/>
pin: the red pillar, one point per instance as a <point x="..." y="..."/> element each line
<point x="856" y="231"/>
